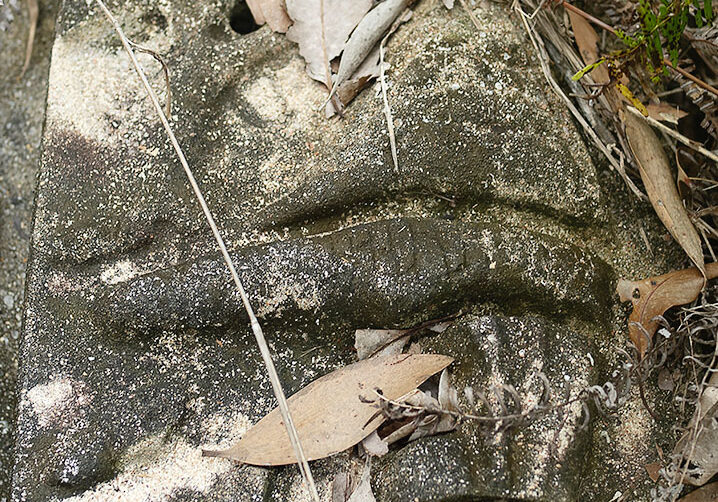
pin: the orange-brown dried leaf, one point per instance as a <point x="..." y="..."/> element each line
<point x="653" y="296"/>
<point x="328" y="413"/>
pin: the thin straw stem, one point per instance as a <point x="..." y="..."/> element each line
<point x="256" y="328"/>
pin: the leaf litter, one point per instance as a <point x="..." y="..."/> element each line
<point x="331" y="414"/>
<point x="321" y="39"/>
<point x="653" y="296"/>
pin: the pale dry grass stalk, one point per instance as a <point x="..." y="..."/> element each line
<point x="256" y="328"/>
<point x="387" y="108"/>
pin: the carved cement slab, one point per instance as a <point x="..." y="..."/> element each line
<point x="136" y="350"/>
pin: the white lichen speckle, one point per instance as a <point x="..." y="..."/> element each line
<point x="58" y="402"/>
<point x="122" y="271"/>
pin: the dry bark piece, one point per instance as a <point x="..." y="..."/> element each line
<point x="661" y="189"/>
<point x="272" y="12"/>
<point x="329" y="414"/>
<point x="707" y="493"/>
<point x="653" y="296"/>
<point x="321" y="40"/>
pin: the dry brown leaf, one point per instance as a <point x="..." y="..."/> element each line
<point x="366" y="35"/>
<point x="665" y="112"/>
<point x="652" y="470"/>
<point x="587" y="42"/>
<point x="707" y="493"/>
<point x="661" y="189"/>
<point x="340" y="19"/>
<point x="653" y="296"/>
<point x="329" y="414"/>
<point x="272" y="12"/>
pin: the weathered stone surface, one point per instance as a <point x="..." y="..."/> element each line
<point x="136" y="351"/>
<point x="22" y="108"/>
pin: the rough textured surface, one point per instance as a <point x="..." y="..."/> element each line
<point x="22" y="108"/>
<point x="136" y="352"/>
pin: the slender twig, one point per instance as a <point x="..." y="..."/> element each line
<point x="256" y="328"/>
<point x="694" y="79"/>
<point x="675" y="134"/>
<point x="543" y="57"/>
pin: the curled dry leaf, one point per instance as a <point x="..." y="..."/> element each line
<point x="699" y="444"/>
<point x="653" y="296"/>
<point x="381" y="342"/>
<point x="321" y="40"/>
<point x="366" y="35"/>
<point x="374" y="445"/>
<point x="661" y="189"/>
<point x="272" y="12"/>
<point x="329" y="414"/>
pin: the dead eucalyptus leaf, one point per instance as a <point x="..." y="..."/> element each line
<point x="653" y="296"/>
<point x="707" y="493"/>
<point x="381" y="342"/>
<point x="328" y="413"/>
<point x="657" y="178"/>
<point x="340" y="19"/>
<point x="272" y="12"/>
<point x="366" y="35"/>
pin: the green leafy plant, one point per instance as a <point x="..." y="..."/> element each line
<point x="656" y="43"/>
